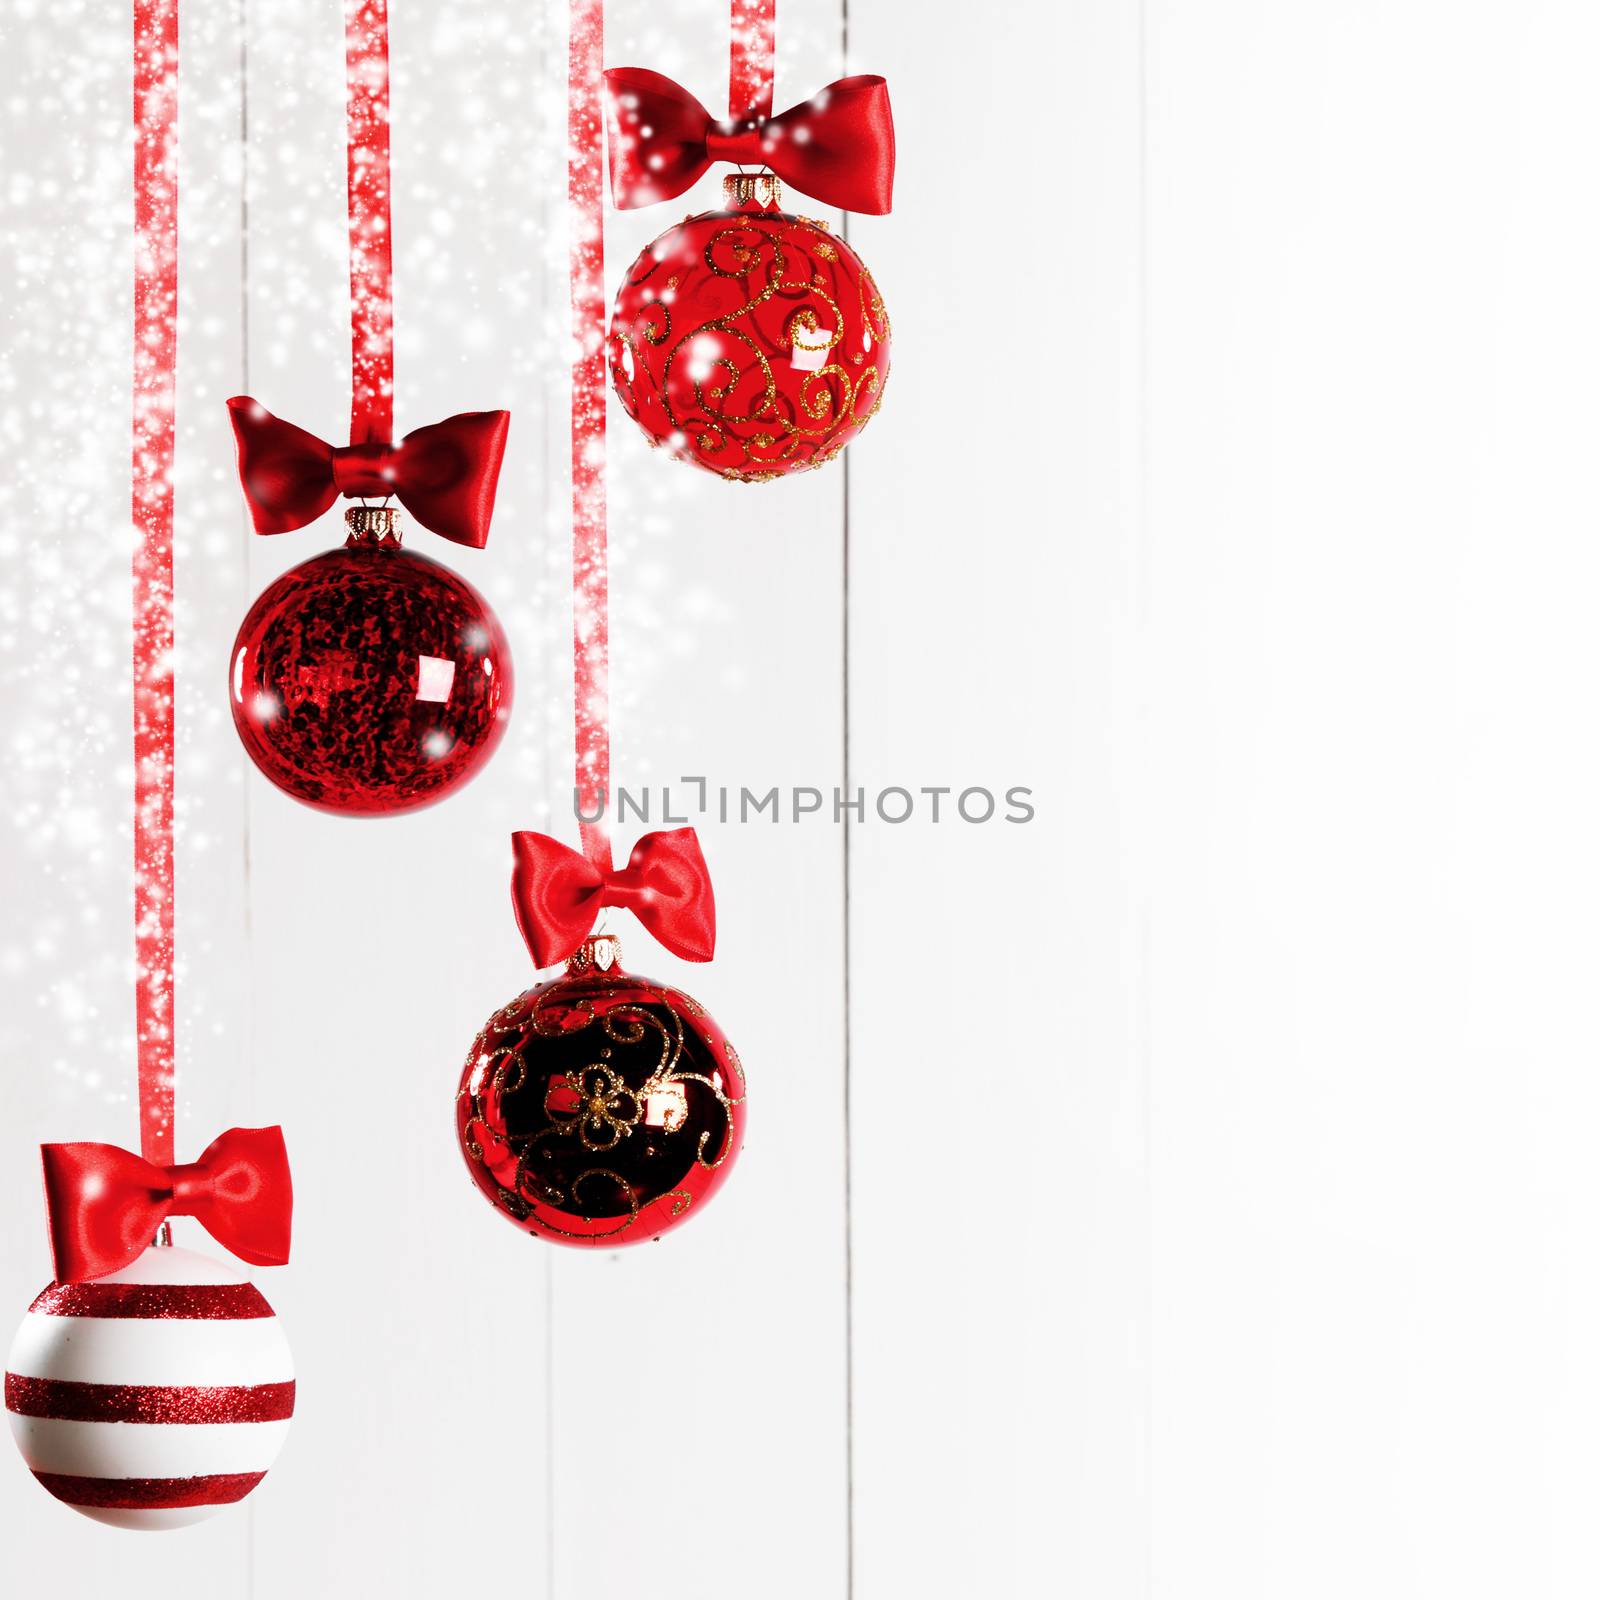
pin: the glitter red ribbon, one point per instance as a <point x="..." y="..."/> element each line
<point x="752" y="59"/>
<point x="591" y="627"/>
<point x="366" y="58"/>
<point x="155" y="352"/>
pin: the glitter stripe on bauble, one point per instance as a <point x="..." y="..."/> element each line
<point x="63" y="1401"/>
<point x="226" y="1302"/>
<point x="153" y="1397"/>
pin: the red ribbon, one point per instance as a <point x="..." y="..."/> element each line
<point x="105" y="1204"/>
<point x="752" y="58"/>
<point x="558" y="893"/>
<point x="837" y="147"/>
<point x="444" y="474"/>
<point x="366" y="67"/>
<point x="155" y="355"/>
<point x="591" y="580"/>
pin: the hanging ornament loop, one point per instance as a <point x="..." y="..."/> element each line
<point x="752" y="189"/>
<point x="373" y="525"/>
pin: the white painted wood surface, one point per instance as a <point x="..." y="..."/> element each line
<point x="999" y="1202"/>
<point x="1371" y="503"/>
<point x="1219" y="1213"/>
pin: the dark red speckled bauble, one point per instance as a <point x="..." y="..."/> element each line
<point x="600" y="1109"/>
<point x="750" y="342"/>
<point x="370" y="679"/>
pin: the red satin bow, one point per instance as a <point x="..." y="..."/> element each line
<point x="444" y="474"/>
<point x="558" y="893"/>
<point x="837" y="147"/>
<point x="105" y="1204"/>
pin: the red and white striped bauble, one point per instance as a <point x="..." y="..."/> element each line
<point x="154" y="1397"/>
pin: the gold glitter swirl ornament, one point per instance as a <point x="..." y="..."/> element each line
<point x="600" y="1109"/>
<point x="750" y="341"/>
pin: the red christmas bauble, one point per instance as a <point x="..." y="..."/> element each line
<point x="600" y="1109"/>
<point x="750" y="342"/>
<point x="370" y="679"/>
<point x="153" y="1397"/>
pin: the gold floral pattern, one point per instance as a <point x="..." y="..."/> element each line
<point x="606" y="1109"/>
<point x="600" y="1107"/>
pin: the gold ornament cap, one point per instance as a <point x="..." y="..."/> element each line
<point x="372" y="525"/>
<point x="600" y="952"/>
<point x="752" y="188"/>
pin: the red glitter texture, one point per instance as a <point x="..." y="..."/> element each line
<point x="370" y="680"/>
<point x="751" y="342"/>
<point x="65" y="1401"/>
<point x="167" y="1494"/>
<point x="155" y="356"/>
<point x="178" y="1302"/>
<point x="591" y="580"/>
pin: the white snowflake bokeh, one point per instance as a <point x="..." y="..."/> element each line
<point x="481" y="309"/>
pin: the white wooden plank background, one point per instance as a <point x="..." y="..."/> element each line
<point x="1372" y="1094"/>
<point x="699" y="1401"/>
<point x="1220" y="1214"/>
